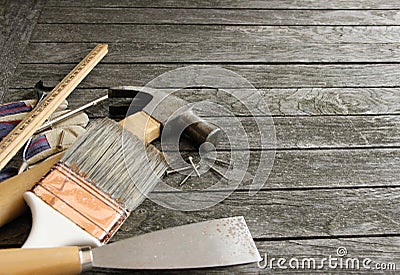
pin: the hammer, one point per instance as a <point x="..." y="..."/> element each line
<point x="154" y="110"/>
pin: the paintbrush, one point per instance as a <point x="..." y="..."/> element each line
<point x="91" y="191"/>
<point x="12" y="203"/>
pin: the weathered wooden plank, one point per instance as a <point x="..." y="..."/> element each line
<point x="380" y="250"/>
<point x="372" y="251"/>
<point x="16" y="27"/>
<point x="310" y="132"/>
<point x="365" y="255"/>
<point x="261" y="76"/>
<point x="15" y="233"/>
<point x="302" y="101"/>
<point x="327" y="167"/>
<point x="288" y="214"/>
<point x="300" y="132"/>
<point x="256" y="4"/>
<point x="215" y="34"/>
<point x="305" y="169"/>
<point x="284" y="214"/>
<point x="217" y="52"/>
<point x="219" y="16"/>
<point x="293" y="132"/>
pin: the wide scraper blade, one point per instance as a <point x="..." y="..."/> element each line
<point x="212" y="243"/>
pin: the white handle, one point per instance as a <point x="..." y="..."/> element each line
<point x="51" y="229"/>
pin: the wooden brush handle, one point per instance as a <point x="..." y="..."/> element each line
<point x="60" y="260"/>
<point x="143" y="126"/>
<point x="12" y="202"/>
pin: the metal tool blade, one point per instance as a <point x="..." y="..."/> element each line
<point x="212" y="243"/>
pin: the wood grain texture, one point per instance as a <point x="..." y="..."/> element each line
<point x="219" y="16"/>
<point x="274" y="215"/>
<point x="18" y="20"/>
<point x="203" y="52"/>
<point x="46" y="261"/>
<point x="378" y="250"/>
<point x="15" y="233"/>
<point x="214" y="34"/>
<point x="280" y="102"/>
<point x="298" y="169"/>
<point x="261" y="76"/>
<point x="328" y="72"/>
<point x="256" y="4"/>
<point x="309" y="132"/>
<point x="286" y="214"/>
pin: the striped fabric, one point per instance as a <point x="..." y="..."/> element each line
<point x="14" y="108"/>
<point x="10" y="109"/>
<point x="37" y="145"/>
<point x="8" y="172"/>
<point x="7" y="126"/>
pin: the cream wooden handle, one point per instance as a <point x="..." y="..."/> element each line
<point x="143" y="126"/>
<point x="60" y="260"/>
<point x="12" y="190"/>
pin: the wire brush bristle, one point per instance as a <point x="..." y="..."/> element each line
<point x="116" y="161"/>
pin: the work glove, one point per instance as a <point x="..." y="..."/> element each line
<point x="45" y="144"/>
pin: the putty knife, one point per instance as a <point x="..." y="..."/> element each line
<point x="212" y="243"/>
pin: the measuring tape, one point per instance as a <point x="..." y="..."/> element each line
<point x="10" y="145"/>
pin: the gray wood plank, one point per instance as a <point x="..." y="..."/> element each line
<point x="297" y="169"/>
<point x="310" y="132"/>
<point x="301" y="101"/>
<point x="16" y="232"/>
<point x="284" y="214"/>
<point x="256" y="4"/>
<point x="216" y="34"/>
<point x="219" y="16"/>
<point x="261" y="76"/>
<point x="16" y="27"/>
<point x="327" y="167"/>
<point x="288" y="214"/>
<point x="299" y="132"/>
<point x="221" y="52"/>
<point x="380" y="255"/>
<point x="380" y="250"/>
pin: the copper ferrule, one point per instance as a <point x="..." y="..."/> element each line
<point x="83" y="203"/>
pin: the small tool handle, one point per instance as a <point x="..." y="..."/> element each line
<point x="143" y="126"/>
<point x="200" y="131"/>
<point x="60" y="260"/>
<point x="12" y="190"/>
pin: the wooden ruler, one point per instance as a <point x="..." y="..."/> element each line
<point x="27" y="127"/>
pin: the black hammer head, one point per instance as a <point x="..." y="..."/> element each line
<point x="175" y="114"/>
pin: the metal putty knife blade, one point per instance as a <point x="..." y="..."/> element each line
<point x="212" y="243"/>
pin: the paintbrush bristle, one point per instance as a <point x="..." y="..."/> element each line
<point x="116" y="161"/>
